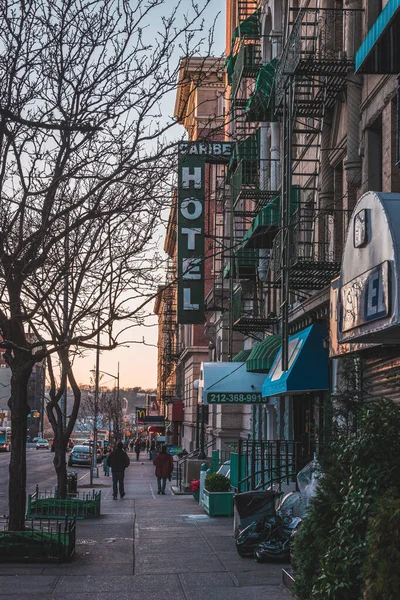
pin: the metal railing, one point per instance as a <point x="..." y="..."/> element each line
<point x="45" y="505"/>
<point x="316" y="239"/>
<point x="252" y="180"/>
<point x="247" y="64"/>
<point x="320" y="43"/>
<point x="265" y="464"/>
<point x="42" y="540"/>
<point x="181" y="462"/>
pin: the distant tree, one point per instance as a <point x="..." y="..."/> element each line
<point x="84" y="173"/>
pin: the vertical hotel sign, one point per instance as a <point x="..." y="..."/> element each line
<point x="192" y="157"/>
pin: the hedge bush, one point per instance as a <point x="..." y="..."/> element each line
<point x="215" y="482"/>
<point x="330" y="550"/>
<point x="381" y="567"/>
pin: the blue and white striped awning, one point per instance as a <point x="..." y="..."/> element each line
<point x="380" y="51"/>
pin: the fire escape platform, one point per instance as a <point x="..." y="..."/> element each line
<point x="248" y="325"/>
<point x="311" y="274"/>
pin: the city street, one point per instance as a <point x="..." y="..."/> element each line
<point x="142" y="546"/>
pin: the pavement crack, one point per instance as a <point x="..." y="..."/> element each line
<point x="134" y="538"/>
<point x="235" y="581"/>
<point x="55" y="583"/>
<point x="180" y="578"/>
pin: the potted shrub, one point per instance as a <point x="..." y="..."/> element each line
<point x="217" y="497"/>
<point x="195" y="488"/>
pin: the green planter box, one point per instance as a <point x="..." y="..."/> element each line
<point x="196" y="496"/>
<point x="44" y="505"/>
<point x="218" y="504"/>
<point x="41" y="541"/>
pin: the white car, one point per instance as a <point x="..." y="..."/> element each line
<point x="42" y="444"/>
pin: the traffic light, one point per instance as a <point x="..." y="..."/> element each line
<point x="36" y="414"/>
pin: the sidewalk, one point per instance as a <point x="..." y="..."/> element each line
<point x="148" y="546"/>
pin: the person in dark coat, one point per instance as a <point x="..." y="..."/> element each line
<point x="164" y="464"/>
<point x="138" y="445"/>
<point x="152" y="452"/>
<point x="118" y="460"/>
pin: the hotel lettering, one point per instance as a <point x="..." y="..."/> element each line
<point x="192" y="157"/>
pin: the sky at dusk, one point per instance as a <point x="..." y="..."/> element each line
<point x="138" y="361"/>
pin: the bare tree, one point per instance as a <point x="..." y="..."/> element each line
<point x="84" y="173"/>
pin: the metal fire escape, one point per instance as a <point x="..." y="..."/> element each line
<point x="250" y="194"/>
<point x="169" y="391"/>
<point x="218" y="240"/>
<point x="310" y="77"/>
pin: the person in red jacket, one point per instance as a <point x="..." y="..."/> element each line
<point x="164" y="464"/>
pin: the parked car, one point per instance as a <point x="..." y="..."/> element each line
<point x="35" y="439"/>
<point x="80" y="455"/>
<point x="225" y="469"/>
<point x="53" y="446"/>
<point x="42" y="444"/>
<point x="99" y="451"/>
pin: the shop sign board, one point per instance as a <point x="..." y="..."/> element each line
<point x="140" y="415"/>
<point x="229" y="383"/>
<point x="235" y="398"/>
<point x="365" y="298"/>
<point x="192" y="157"/>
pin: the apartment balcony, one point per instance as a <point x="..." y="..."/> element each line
<point x="248" y="310"/>
<point x="247" y="64"/>
<point x="171" y="393"/>
<point x="266" y="224"/>
<point x="250" y="181"/>
<point x="315" y="248"/>
<point x="218" y="297"/>
<point x="247" y="149"/>
<point x="260" y="104"/>
<point x="243" y="264"/>
<point x="171" y="352"/>
<point x="315" y="59"/>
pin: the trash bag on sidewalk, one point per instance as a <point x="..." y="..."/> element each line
<point x="275" y="545"/>
<point x="249" y="538"/>
<point x="294" y="504"/>
<point x="308" y="478"/>
<point x="252" y="510"/>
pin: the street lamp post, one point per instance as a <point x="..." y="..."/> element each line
<point x="94" y="470"/>
<point x="116" y="377"/>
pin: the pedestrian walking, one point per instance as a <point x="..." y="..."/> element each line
<point x="137" y="448"/>
<point x="152" y="450"/>
<point x="118" y="460"/>
<point x="164" y="464"/>
<point x="131" y="444"/>
<point x="106" y="466"/>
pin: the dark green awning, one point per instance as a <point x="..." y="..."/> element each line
<point x="259" y="106"/>
<point x="245" y="262"/>
<point x="267" y="220"/>
<point x="230" y="65"/>
<point x="263" y="228"/>
<point x="263" y="355"/>
<point x="250" y="28"/>
<point x="242" y="356"/>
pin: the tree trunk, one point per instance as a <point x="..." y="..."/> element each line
<point x="17" y="468"/>
<point x="60" y="466"/>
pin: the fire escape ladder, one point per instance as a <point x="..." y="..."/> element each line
<point x="310" y="76"/>
<point x="219" y="242"/>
